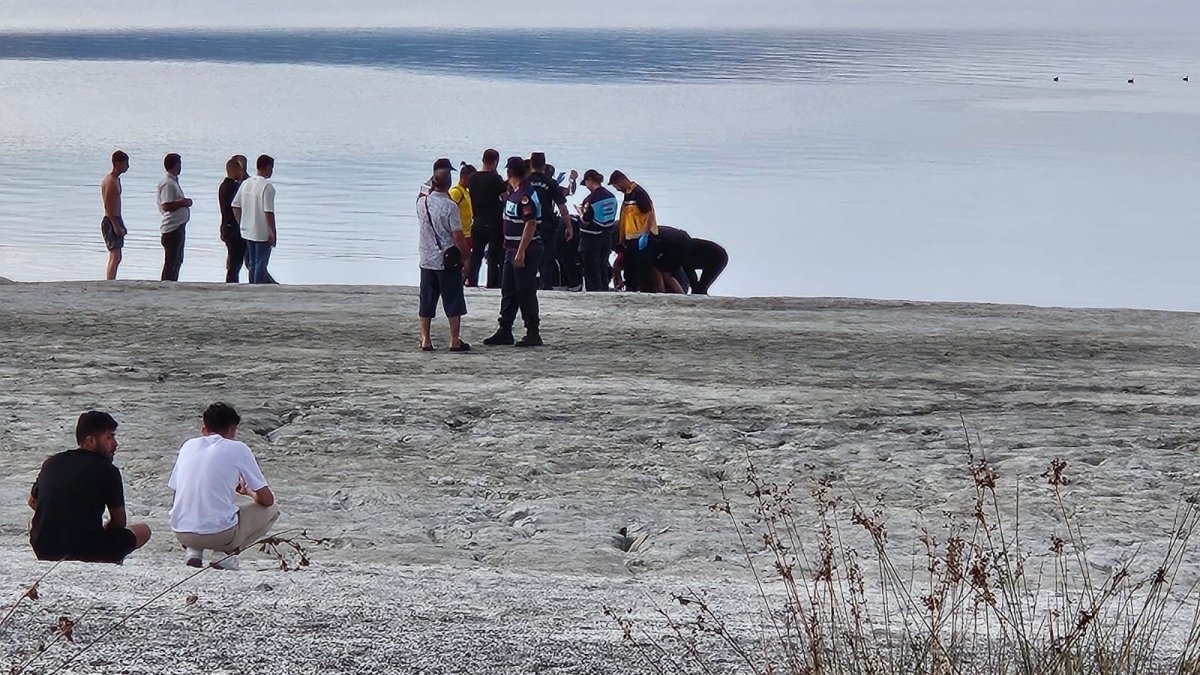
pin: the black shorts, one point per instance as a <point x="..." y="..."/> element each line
<point x="112" y="241"/>
<point x="105" y="546"/>
<point x="445" y="285"/>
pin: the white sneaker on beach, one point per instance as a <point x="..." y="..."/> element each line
<point x="194" y="557"/>
<point x="227" y="563"/>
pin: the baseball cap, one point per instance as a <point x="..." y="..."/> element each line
<point x="443" y="164"/>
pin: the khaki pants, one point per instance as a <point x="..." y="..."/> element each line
<point x="254" y="521"/>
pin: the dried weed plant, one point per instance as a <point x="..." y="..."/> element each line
<point x="289" y="548"/>
<point x="975" y="598"/>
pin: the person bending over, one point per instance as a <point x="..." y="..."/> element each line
<point x="222" y="502"/>
<point x="70" y="495"/>
<point x="708" y="257"/>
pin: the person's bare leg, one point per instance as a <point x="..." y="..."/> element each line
<point x="455" y="324"/>
<point x="671" y="284"/>
<point x="425" y="340"/>
<point x="114" y="261"/>
<point x="142" y="532"/>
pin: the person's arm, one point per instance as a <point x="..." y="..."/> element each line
<point x="116" y="519"/>
<point x="526" y="237"/>
<point x="262" y="496"/>
<point x="565" y="214"/>
<point x="251" y="475"/>
<point x="115" y="501"/>
<point x="112" y="207"/>
<point x="235" y="205"/>
<point x="269" y="209"/>
<point x="171" y="205"/>
<point x="33" y="500"/>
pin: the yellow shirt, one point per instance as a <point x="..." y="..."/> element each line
<point x="462" y="197"/>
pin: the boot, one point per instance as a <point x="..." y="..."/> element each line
<point x="502" y="336"/>
<point x="532" y="338"/>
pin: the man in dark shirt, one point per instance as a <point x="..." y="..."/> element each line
<point x="708" y="257"/>
<point x="71" y="493"/>
<point x="522" y="253"/>
<point x="487" y="231"/>
<point x="550" y="194"/>
<point x="671" y="249"/>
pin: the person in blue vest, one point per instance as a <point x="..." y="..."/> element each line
<point x="597" y="216"/>
<point x="522" y="256"/>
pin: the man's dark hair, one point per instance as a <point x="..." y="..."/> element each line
<point x="440" y="181"/>
<point x="616" y="176"/>
<point x="594" y="176"/>
<point x="220" y="417"/>
<point x="491" y="156"/>
<point x="264" y="162"/>
<point x="93" y="422"/>
<point x="171" y="161"/>
<point x="517" y="167"/>
<point x="537" y="161"/>
<point x="467" y="170"/>
<point x="119" y="156"/>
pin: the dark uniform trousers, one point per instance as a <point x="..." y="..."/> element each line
<point x="518" y="290"/>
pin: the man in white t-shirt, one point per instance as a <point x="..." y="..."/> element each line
<point x="222" y="502"/>
<point x="254" y="209"/>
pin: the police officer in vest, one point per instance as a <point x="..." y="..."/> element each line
<point x="522" y="255"/>
<point x="597" y="215"/>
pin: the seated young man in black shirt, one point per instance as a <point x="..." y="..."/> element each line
<point x="71" y="493"/>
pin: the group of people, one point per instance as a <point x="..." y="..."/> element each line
<point x="574" y="251"/>
<point x="247" y="217"/>
<point x="222" y="502"/>
<point x="521" y="226"/>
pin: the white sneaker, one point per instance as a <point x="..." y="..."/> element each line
<point x="194" y="557"/>
<point x="230" y="563"/>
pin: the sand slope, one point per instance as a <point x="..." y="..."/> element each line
<point x="473" y="500"/>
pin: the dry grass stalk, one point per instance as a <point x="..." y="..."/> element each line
<point x="975" y="599"/>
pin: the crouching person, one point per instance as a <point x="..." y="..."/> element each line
<point x="222" y="502"/>
<point x="71" y="493"/>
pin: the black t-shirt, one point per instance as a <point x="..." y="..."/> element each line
<point x="225" y="195"/>
<point x="549" y="192"/>
<point x="671" y="248"/>
<point x="72" y="490"/>
<point x="487" y="198"/>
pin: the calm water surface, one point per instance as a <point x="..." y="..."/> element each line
<point x="922" y="165"/>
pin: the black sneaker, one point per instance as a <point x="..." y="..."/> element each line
<point x="530" y="340"/>
<point x="500" y="337"/>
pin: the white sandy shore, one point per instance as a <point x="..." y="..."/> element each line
<point x="472" y="500"/>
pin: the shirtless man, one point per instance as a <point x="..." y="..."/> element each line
<point x="112" y="228"/>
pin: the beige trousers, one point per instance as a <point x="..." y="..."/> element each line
<point x="254" y="521"/>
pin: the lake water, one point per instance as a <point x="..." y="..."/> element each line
<point x="932" y="165"/>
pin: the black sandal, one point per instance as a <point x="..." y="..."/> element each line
<point x="462" y="347"/>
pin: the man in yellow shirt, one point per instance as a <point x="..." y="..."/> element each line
<point x="461" y="195"/>
<point x="636" y="229"/>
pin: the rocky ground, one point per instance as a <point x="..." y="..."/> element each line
<point x="474" y="503"/>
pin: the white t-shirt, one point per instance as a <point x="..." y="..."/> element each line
<point x="169" y="191"/>
<point x="256" y="198"/>
<point x="205" y="478"/>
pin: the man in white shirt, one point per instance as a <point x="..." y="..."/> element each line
<point x="176" y="211"/>
<point x="210" y="473"/>
<point x="441" y="229"/>
<point x="254" y="209"/>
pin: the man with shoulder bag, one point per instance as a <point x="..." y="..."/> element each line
<point x="442" y="251"/>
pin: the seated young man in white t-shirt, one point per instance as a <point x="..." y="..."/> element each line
<point x="222" y="502"/>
